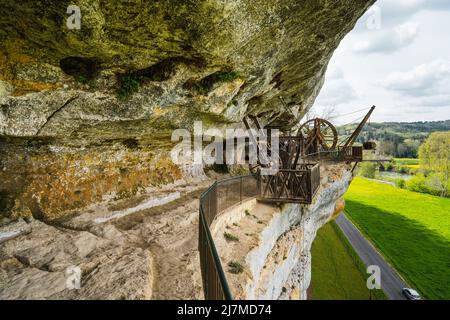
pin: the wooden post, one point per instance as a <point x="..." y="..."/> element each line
<point x="358" y="129"/>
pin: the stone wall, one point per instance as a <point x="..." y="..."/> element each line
<point x="274" y="243"/>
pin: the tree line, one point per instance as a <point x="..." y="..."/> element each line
<point x="397" y="139"/>
<point x="432" y="175"/>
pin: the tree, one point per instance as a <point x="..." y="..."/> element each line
<point x="413" y="146"/>
<point x="402" y="150"/>
<point x="367" y="169"/>
<point x="326" y="113"/>
<point x="387" y="148"/>
<point x="434" y="155"/>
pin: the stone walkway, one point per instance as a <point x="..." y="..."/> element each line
<point x="143" y="254"/>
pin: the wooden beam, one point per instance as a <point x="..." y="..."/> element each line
<point x="358" y="129"/>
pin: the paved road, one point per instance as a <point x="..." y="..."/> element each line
<point x="391" y="282"/>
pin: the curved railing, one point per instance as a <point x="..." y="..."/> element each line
<point x="219" y="197"/>
<point x="349" y="154"/>
<point x="297" y="186"/>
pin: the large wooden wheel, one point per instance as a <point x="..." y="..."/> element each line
<point x="319" y="132"/>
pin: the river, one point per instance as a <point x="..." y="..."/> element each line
<point x="395" y="175"/>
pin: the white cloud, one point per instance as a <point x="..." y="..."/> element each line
<point x="399" y="8"/>
<point x="334" y="73"/>
<point x="436" y="101"/>
<point x="399" y="83"/>
<point x="394" y="12"/>
<point x="423" y="89"/>
<point x="338" y="89"/>
<point x="425" y="79"/>
<point x="389" y="40"/>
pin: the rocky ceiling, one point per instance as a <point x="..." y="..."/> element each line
<point x="83" y="112"/>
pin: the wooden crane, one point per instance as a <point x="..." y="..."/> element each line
<point x="297" y="178"/>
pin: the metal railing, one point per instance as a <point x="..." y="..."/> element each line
<point x="219" y="197"/>
<point x="353" y="154"/>
<point x="223" y="195"/>
<point x="347" y="154"/>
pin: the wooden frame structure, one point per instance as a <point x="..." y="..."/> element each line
<point x="298" y="178"/>
<point x="290" y="186"/>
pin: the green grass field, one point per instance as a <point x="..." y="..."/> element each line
<point x="410" y="163"/>
<point x="411" y="229"/>
<point x="406" y="161"/>
<point x="337" y="272"/>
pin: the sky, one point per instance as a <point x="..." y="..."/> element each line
<point x="397" y="58"/>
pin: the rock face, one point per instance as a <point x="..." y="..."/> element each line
<point x="35" y="266"/>
<point x="86" y="117"/>
<point x="88" y="114"/>
<point x="274" y="244"/>
<point x="326" y="206"/>
<point x="146" y="252"/>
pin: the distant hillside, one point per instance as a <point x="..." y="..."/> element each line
<point x="398" y="139"/>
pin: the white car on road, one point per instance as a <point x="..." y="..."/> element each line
<point x="411" y="294"/>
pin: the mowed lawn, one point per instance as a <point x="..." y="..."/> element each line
<point x="406" y="161"/>
<point x="335" y="274"/>
<point x="411" y="229"/>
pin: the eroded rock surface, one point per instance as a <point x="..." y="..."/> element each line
<point x="35" y="266"/>
<point x="82" y="112"/>
<point x="147" y="254"/>
<point x="86" y="117"/>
